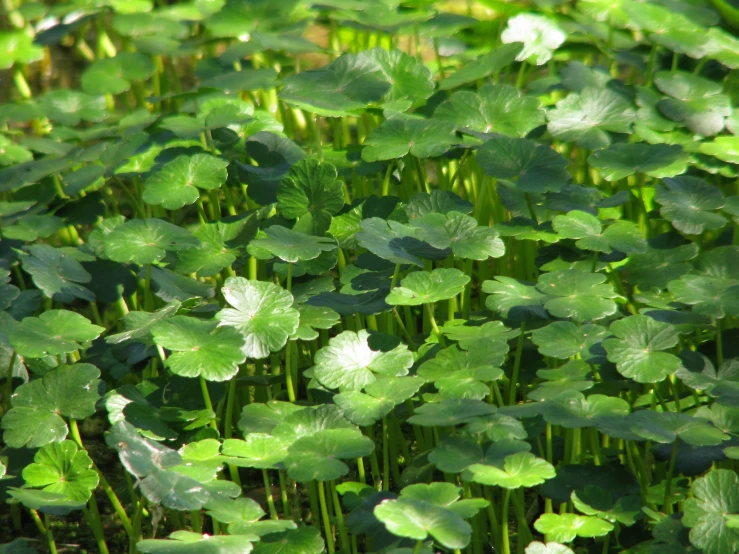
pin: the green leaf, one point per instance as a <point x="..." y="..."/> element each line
<point x="200" y="347"/>
<point x="176" y="184"/>
<point x="188" y="542"/>
<point x="461" y="233"/>
<point x="38" y="406"/>
<point x="63" y="469"/>
<point x="45" y="502"/>
<point x="623" y="236"/>
<point x="666" y="427"/>
<point x="572" y="410"/>
<point x="597" y="501"/>
<point x="258" y="450"/>
<point x="711" y="296"/>
<point x="348" y="362"/>
<point x="723" y="148"/>
<point x="695" y="101"/>
<point x="715" y="499"/>
<point x="537" y="547"/>
<point x="423" y="287"/>
<point x="537" y="168"/>
<point x="396" y="137"/>
<point x="522" y="469"/>
<point x="312" y="318"/>
<point x="317" y="457"/>
<point x="445" y="495"/>
<point x="31" y="227"/>
<point x="492" y="109"/>
<point x="52" y="333"/>
<point x="637" y="348"/>
<point x="565" y="527"/>
<point x="144" y="241"/>
<point x="291" y="246"/>
<point x="483" y="66"/>
<point x="410" y="81"/>
<point x="563" y="339"/>
<point x="417" y="519"/>
<point x="588" y="116"/>
<point x="303" y="540"/>
<point x="221" y="244"/>
<point x="540" y="37"/>
<point x="362" y="409"/>
<point x="577" y="295"/>
<point x="69" y="107"/>
<point x="450" y="411"/>
<point x="688" y="202"/>
<point x="344" y="87"/>
<point x="395" y="242"/>
<point x="262" y="312"/>
<point x="201" y="460"/>
<point x="57" y="274"/>
<point x="621" y="160"/>
<point x="18" y="47"/>
<point x="514" y="299"/>
<point x="657" y="267"/>
<point x="114" y="75"/>
<point x="311" y="194"/>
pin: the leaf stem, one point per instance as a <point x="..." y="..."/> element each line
<point x="504" y="523"/>
<point x="207" y="400"/>
<point x="268" y="494"/>
<point x="326" y="519"/>
<point x="516" y="366"/>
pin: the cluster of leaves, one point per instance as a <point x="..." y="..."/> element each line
<point x="340" y="276"/>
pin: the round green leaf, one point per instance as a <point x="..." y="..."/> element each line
<point x="577" y="295"/>
<point x="621" y="160"/>
<point x="711" y="296"/>
<point x="396" y="137"/>
<point x="38" y="406"/>
<point x="114" y="75"/>
<point x="348" y="362"/>
<point x="461" y="233"/>
<point x="61" y="468"/>
<point x="536" y="167"/>
<point x="423" y="287"/>
<point x="483" y="66"/>
<point x="563" y="339"/>
<point x="188" y="542"/>
<point x="723" y="148"/>
<point x="492" y="109"/>
<point x="56" y="273"/>
<point x="636" y="350"/>
<point x="688" y="202"/>
<point x="303" y="540"/>
<point x="522" y="469"/>
<point x="52" y="333"/>
<point x="417" y="519"/>
<point x="258" y="450"/>
<point x="291" y="246"/>
<point x="176" y="184"/>
<point x="450" y="411"/>
<point x="565" y="527"/>
<point x="514" y="299"/>
<point x="537" y="547"/>
<point x="410" y="81"/>
<point x="311" y="193"/>
<point x="262" y="312"/>
<point x="715" y="499"/>
<point x="344" y="87"/>
<point x="144" y="241"/>
<point x="623" y="236"/>
<point x="362" y="409"/>
<point x="69" y="107"/>
<point x="200" y="347"/>
<point x="587" y="116"/>
<point x="317" y="457"/>
<point x="18" y="47"/>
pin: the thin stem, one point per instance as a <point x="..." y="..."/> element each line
<point x="206" y="399"/>
<point x="268" y="494"/>
<point x="719" y="343"/>
<point x="385" y="457"/>
<point x="49" y="536"/>
<point x="328" y="534"/>
<point x="432" y="321"/>
<point x="667" y="504"/>
<point x="516" y="366"/>
<point x="504" y="523"/>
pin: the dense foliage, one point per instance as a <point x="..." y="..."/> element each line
<point x="355" y="276"/>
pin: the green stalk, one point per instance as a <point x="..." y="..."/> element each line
<point x="343" y="534"/>
<point x="516" y="366"/>
<point x="50" y="543"/>
<point x="206" y="399"/>
<point x="667" y="504"/>
<point x="92" y="516"/>
<point x="117" y="506"/>
<point x="719" y="343"/>
<point x="385" y="457"/>
<point x="328" y="534"/>
<point x="432" y="321"/>
<point x="506" y="541"/>
<point x="314" y="508"/>
<point x="284" y="496"/>
<point x="268" y="494"/>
